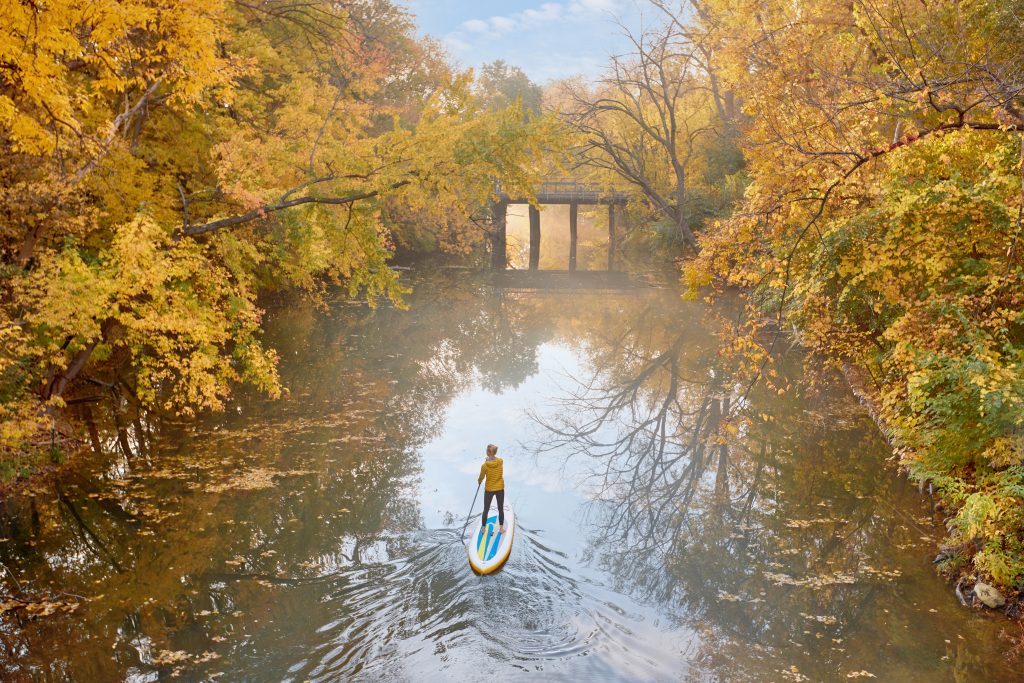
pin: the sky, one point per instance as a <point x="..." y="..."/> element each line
<point x="548" y="40"/>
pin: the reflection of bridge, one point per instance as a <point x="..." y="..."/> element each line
<point x="560" y="191"/>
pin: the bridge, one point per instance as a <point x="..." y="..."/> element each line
<point x="554" y="191"/>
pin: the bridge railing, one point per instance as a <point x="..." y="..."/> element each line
<point x="565" y="186"/>
<point x="570" y="190"/>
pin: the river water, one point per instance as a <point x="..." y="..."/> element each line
<point x="318" y="537"/>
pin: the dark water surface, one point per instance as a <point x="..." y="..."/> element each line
<point x="318" y="537"/>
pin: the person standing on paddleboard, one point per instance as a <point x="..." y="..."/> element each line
<point x="492" y="471"/>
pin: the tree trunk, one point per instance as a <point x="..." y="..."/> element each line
<point x="499" y="223"/>
<point x="59" y="384"/>
<point x="534" y="238"/>
<point x="682" y="223"/>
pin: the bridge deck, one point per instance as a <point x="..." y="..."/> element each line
<point x="568" y="192"/>
<point x="568" y="198"/>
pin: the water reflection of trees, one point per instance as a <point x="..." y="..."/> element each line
<point x="143" y="516"/>
<point x="754" y="512"/>
<point x="649" y="419"/>
<point x="651" y="467"/>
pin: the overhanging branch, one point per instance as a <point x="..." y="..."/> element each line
<point x="262" y="211"/>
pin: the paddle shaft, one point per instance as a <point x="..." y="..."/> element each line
<point x="470" y="515"/>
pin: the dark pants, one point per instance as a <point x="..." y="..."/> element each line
<point x="500" y="495"/>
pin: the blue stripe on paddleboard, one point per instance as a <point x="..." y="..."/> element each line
<point x="492" y="539"/>
<point x="494" y="546"/>
<point x="484" y="536"/>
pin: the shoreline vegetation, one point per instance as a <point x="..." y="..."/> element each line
<point x="857" y="170"/>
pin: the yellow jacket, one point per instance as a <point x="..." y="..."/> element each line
<point x="491" y="470"/>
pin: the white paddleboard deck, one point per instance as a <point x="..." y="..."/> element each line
<point x="488" y="548"/>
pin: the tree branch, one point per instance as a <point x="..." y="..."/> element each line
<point x="261" y="212"/>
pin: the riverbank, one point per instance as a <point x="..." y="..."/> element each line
<point x="38" y="461"/>
<point x="959" y="575"/>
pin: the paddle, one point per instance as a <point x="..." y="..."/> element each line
<point x="470" y="515"/>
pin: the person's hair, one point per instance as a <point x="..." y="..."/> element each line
<point x="492" y="449"/>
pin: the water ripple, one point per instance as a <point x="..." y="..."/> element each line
<point x="427" y="612"/>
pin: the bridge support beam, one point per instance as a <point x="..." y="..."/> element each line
<point x="534" y="238"/>
<point x="573" y="234"/>
<point x="499" y="223"/>
<point x="611" y="237"/>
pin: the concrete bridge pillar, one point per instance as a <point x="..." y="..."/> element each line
<point x="499" y="256"/>
<point x="573" y="234"/>
<point x="534" y="238"/>
<point x="611" y="237"/>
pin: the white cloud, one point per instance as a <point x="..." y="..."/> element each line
<point x="503" y="24"/>
<point x="549" y="11"/>
<point x="588" y="10"/>
<point x="476" y="26"/>
<point x="594" y="6"/>
<point x="532" y="38"/>
<point x="577" y="10"/>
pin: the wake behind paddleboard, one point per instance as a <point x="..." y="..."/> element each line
<point x="488" y="548"/>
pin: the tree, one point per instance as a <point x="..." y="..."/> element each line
<point x="884" y="220"/>
<point x="167" y="161"/>
<point x="651" y="123"/>
<point x="501" y="85"/>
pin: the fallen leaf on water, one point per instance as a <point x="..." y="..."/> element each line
<point x="804" y="523"/>
<point x="824" y="619"/>
<point x="167" y="657"/>
<point x="9" y="605"/>
<point x="792" y="674"/>
<point x="812" y="582"/>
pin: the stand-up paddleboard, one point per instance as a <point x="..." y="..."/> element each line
<point x="489" y="548"/>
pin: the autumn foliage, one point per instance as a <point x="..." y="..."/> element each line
<point x="164" y="161"/>
<point x="884" y="220"/>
